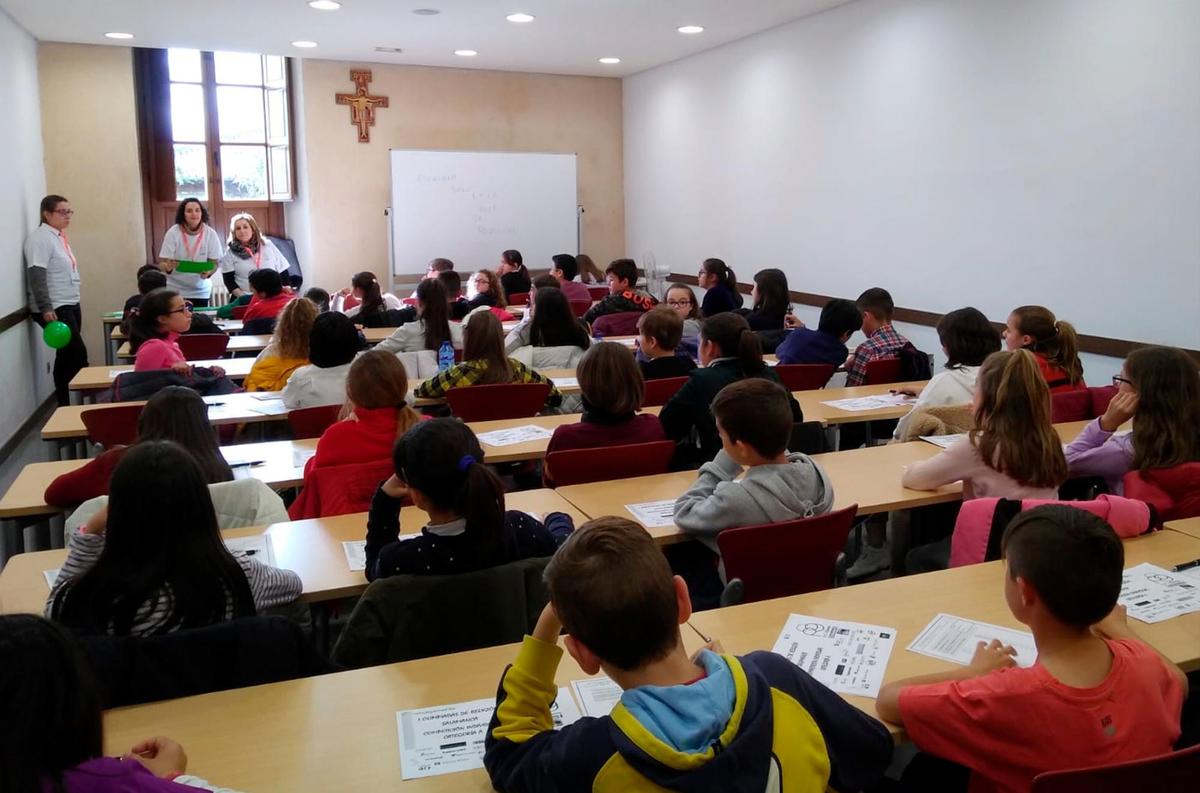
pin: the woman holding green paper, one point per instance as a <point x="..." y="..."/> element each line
<point x="188" y="248"/>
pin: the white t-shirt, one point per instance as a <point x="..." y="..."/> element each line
<point x="195" y="249"/>
<point x="270" y="258"/>
<point x="46" y="247"/>
<point x="950" y="387"/>
<point x="310" y="386"/>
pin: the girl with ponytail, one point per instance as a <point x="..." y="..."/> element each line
<point x="1054" y="343"/>
<point x="439" y="465"/>
<point x="729" y="351"/>
<point x="721" y="288"/>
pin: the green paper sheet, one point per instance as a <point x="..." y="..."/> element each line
<point x="193" y="267"/>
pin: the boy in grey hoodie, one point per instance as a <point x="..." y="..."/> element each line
<point x="754" y="420"/>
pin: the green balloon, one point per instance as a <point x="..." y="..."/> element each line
<point x="57" y="334"/>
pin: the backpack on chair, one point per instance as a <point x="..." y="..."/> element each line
<point x="914" y="364"/>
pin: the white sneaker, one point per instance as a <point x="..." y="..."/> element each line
<point x="871" y="560"/>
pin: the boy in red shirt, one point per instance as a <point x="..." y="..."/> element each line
<point x="1097" y="694"/>
<point x="269" y="299"/>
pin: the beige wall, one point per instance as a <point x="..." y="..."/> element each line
<point x="344" y="185"/>
<point x="89" y="134"/>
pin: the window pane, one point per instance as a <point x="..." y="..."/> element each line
<point x="184" y="65"/>
<point x="238" y="68"/>
<point x="191" y="171"/>
<point x="244" y="173"/>
<point x="187" y="112"/>
<point x="281" y="173"/>
<point x="276" y="71"/>
<point x="277" y="122"/>
<point x="240" y="115"/>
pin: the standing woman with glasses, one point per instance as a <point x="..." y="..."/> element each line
<point x="154" y="332"/>
<point x="191" y="239"/>
<point x="54" y="287"/>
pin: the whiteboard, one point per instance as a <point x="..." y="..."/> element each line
<point x="468" y="206"/>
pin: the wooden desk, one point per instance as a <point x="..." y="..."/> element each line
<point x="1189" y="526"/>
<point x="237" y="344"/>
<point x="312" y="548"/>
<point x="338" y="732"/>
<point x="98" y="378"/>
<point x="814" y="410"/>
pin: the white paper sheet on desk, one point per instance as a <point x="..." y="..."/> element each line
<point x="654" y="514"/>
<point x="1153" y="594"/>
<point x="515" y="435"/>
<point x="449" y="738"/>
<point x="943" y="440"/>
<point x="857" y="404"/>
<point x="257" y="546"/>
<point x="51" y="576"/>
<point x="112" y="373"/>
<point x="264" y="396"/>
<point x="954" y="639"/>
<point x="848" y="657"/>
<point x="356" y="553"/>
<point x="270" y="407"/>
<point x="300" y="457"/>
<point x="597" y="695"/>
<point x="565" y="382"/>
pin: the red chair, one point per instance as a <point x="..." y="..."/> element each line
<point x="605" y="463"/>
<point x="1081" y="405"/>
<point x="659" y="391"/>
<point x="1176" y="772"/>
<point x="598" y="292"/>
<point x="580" y="307"/>
<point x="774" y="560"/>
<point x="883" y="371"/>
<point x="239" y="311"/>
<point x="203" y="346"/>
<point x="1174" y="491"/>
<point x="115" y="425"/>
<point x="804" y="376"/>
<point x="503" y="401"/>
<point x="518" y="299"/>
<point x="339" y="489"/>
<point x="312" y="422"/>
<point x="624" y="323"/>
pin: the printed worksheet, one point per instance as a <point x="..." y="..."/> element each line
<point x="856" y="404"/>
<point x="565" y="382"/>
<point x="943" y="440"/>
<point x="535" y="515"/>
<point x="264" y="396"/>
<point x="256" y="546"/>
<point x="848" y="657"/>
<point x="449" y="738"/>
<point x="114" y="373"/>
<point x="954" y="639"/>
<point x="511" y="437"/>
<point x="51" y="576"/>
<point x="597" y="695"/>
<point x="270" y="407"/>
<point x="1153" y="594"/>
<point x="300" y="457"/>
<point x="654" y="514"/>
<point x="356" y="553"/>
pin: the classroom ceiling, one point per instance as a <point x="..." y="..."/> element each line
<point x="565" y="36"/>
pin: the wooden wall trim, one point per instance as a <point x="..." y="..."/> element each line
<point x="1097" y="345"/>
<point x="13" y="319"/>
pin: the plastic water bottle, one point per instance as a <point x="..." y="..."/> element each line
<point x="445" y="356"/>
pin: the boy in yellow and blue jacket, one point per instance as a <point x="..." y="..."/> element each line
<point x="712" y="722"/>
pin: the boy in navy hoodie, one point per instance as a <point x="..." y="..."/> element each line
<point x="840" y="319"/>
<point x="706" y="723"/>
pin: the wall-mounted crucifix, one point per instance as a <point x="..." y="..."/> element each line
<point x="362" y="104"/>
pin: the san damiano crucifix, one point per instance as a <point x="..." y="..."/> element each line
<point x="362" y="104"/>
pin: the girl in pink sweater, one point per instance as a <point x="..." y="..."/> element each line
<point x="154" y="329"/>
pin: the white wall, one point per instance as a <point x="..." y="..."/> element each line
<point x="23" y="360"/>
<point x="957" y="152"/>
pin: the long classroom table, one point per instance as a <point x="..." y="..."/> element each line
<point x="338" y="731"/>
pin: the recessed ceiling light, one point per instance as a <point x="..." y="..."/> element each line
<point x="304" y="45"/>
<point x="610" y="61"/>
<point x="519" y="17"/>
<point x="388" y="49"/>
<point x="426" y="12"/>
<point x="466" y="53"/>
<point x="121" y="36"/>
<point x="325" y="5"/>
<point x="691" y="29"/>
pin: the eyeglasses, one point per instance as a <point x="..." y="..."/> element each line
<point x="64" y="212"/>
<point x="186" y="308"/>
<point x="1117" y="380"/>
<point x="679" y="303"/>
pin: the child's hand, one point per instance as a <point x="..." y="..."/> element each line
<point x="548" y="626"/>
<point x="715" y="646"/>
<point x="217" y="371"/>
<point x="792" y="321"/>
<point x="991" y="656"/>
<point x="394" y="487"/>
<point x="97" y="523"/>
<point x="1119" y="410"/>
<point x="181" y="367"/>
<point x="343" y="292"/>
<point x="161" y="756"/>
<point x="1114" y="626"/>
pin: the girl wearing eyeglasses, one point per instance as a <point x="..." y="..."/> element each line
<point x="154" y="330"/>
<point x="682" y="300"/>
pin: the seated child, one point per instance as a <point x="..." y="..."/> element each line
<point x="1097" y="694"/>
<point x="319" y="298"/>
<point x="882" y="339"/>
<point x="622" y="295"/>
<point x="754" y="421"/>
<point x="332" y="345"/>
<point x="612" y="389"/>
<point x="269" y="299"/>
<point x="1053" y="342"/>
<point x="288" y="349"/>
<point x="659" y="334"/>
<point x="154" y="330"/>
<point x="710" y="722"/>
<point x="439" y="465"/>
<point x="51" y="718"/>
<point x="840" y="319"/>
<point x="149" y="278"/>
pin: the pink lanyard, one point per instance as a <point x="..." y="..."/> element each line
<point x="187" y="249"/>
<point x="67" y="247"/>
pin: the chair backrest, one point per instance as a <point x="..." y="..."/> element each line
<point x="1101" y="396"/>
<point x="808" y="437"/>
<point x="502" y="401"/>
<point x="339" y="489"/>
<point x="311" y="422"/>
<point x="657" y="392"/>
<point x="882" y="371"/>
<point x="295" y="275"/>
<point x="417" y="616"/>
<point x="203" y="346"/>
<point x="1176" y="772"/>
<point x="623" y="323"/>
<point x="598" y="292"/>
<point x="580" y="307"/>
<point x="518" y="299"/>
<point x="804" y="376"/>
<point x="604" y="463"/>
<point x="112" y="426"/>
<point x="1070" y="406"/>
<point x="788" y="558"/>
<point x="1174" y="491"/>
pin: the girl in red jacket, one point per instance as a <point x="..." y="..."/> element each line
<point x="1053" y="343"/>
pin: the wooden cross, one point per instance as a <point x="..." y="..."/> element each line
<point x="362" y="104"/>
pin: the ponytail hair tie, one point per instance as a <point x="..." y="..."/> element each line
<point x="465" y="462"/>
